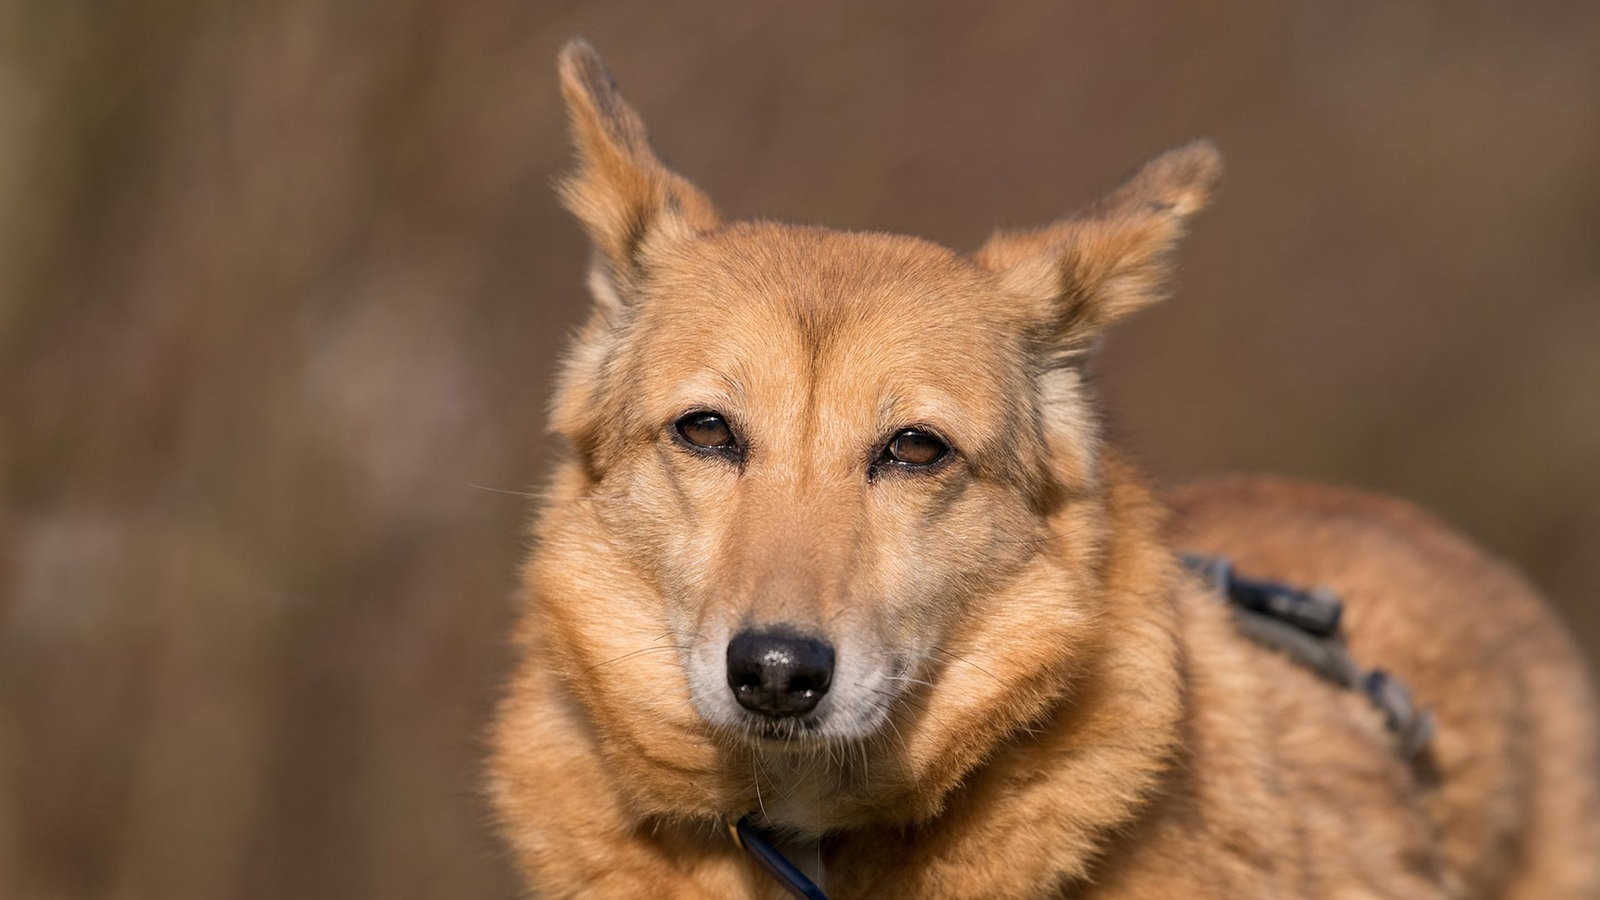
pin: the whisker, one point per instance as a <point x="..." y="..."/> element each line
<point x="755" y="777"/>
<point x="898" y="736"/>
<point x="961" y="659"/>
<point x="909" y="696"/>
<point x="627" y="655"/>
<point x="495" y="490"/>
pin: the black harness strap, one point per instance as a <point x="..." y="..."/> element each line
<point x="1303" y="625"/>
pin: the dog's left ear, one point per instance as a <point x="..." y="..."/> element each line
<point x="627" y="200"/>
<point x="1111" y="258"/>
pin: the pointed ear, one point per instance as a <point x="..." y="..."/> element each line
<point x="1111" y="258"/>
<point x="625" y="198"/>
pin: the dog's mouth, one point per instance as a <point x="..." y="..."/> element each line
<point x="785" y="732"/>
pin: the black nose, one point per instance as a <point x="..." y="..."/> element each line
<point x="778" y="674"/>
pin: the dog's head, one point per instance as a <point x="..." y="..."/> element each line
<point x="846" y="482"/>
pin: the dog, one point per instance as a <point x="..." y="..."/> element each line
<point x="836" y="547"/>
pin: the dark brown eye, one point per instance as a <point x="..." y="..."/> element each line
<point x="915" y="447"/>
<point x="706" y="430"/>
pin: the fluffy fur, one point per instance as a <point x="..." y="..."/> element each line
<point x="1031" y="699"/>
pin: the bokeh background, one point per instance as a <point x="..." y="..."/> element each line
<point x="281" y="285"/>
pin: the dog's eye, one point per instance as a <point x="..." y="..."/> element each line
<point x="915" y="447"/>
<point x="706" y="430"/>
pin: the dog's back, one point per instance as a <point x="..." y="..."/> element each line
<point x="1507" y="785"/>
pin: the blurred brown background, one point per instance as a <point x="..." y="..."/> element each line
<point x="281" y="284"/>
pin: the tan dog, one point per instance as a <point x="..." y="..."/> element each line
<point x="837" y="543"/>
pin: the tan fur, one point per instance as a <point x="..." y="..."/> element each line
<point x="1075" y="717"/>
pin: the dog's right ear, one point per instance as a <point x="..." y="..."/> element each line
<point x="1110" y="259"/>
<point x="628" y="202"/>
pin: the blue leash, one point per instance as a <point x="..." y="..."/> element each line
<point x="758" y="845"/>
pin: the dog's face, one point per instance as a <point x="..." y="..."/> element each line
<point x="834" y="472"/>
<point x="824" y="443"/>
